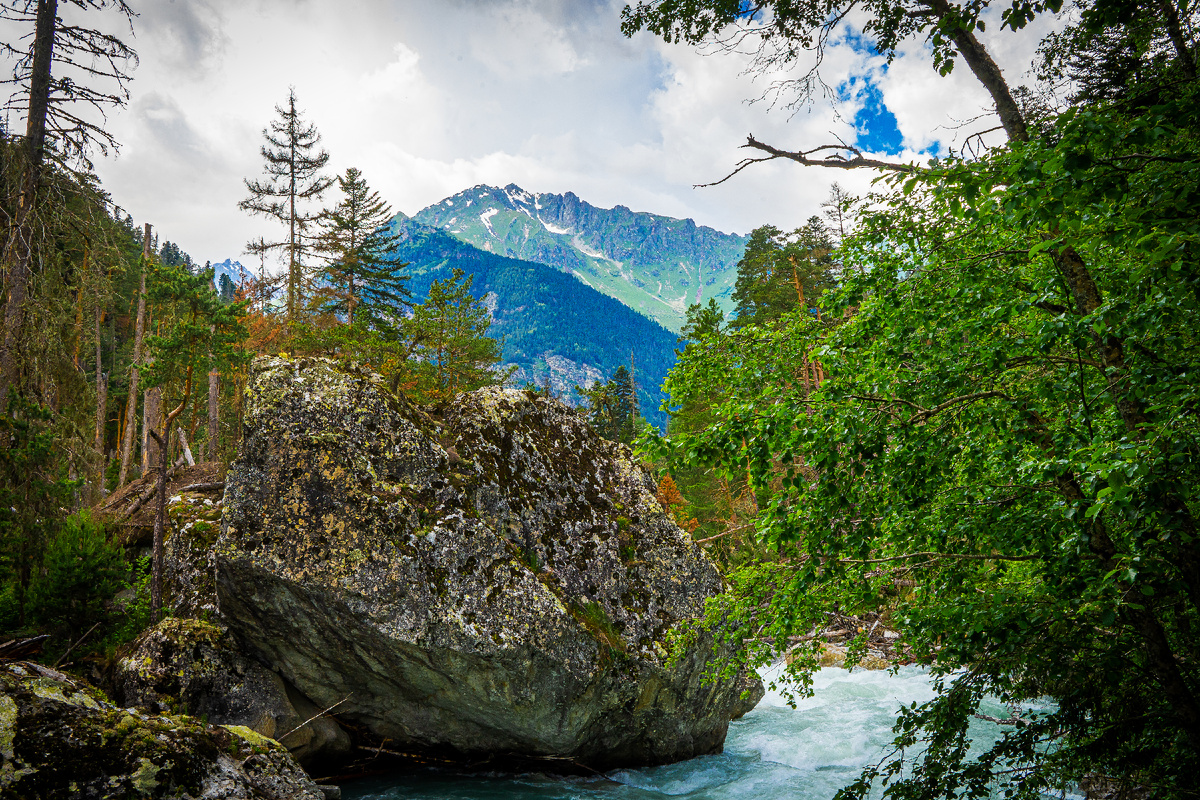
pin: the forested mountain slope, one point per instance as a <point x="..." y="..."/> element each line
<point x="656" y="265"/>
<point x="552" y="325"/>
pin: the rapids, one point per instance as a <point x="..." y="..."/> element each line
<point x="774" y="752"/>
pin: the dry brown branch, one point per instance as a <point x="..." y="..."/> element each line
<point x="315" y="716"/>
<point x="835" y="156"/>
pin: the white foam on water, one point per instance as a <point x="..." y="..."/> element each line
<point x="775" y="752"/>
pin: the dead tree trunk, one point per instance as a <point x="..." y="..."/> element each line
<point x="160" y="517"/>
<point x="101" y="411"/>
<point x="153" y="454"/>
<point x="139" y="332"/>
<point x="18" y="251"/>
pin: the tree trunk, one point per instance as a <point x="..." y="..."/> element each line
<point x="187" y="451"/>
<point x="101" y="413"/>
<point x="214" y="389"/>
<point x="139" y="332"/>
<point x="988" y="73"/>
<point x="1175" y="31"/>
<point x="160" y="518"/>
<point x="18" y="251"/>
<point x="153" y="454"/>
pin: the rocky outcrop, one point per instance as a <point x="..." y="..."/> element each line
<point x="751" y="692"/>
<point x="190" y="666"/>
<point x="59" y="739"/>
<point x="496" y="580"/>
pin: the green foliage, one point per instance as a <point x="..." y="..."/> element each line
<point x="226" y="289"/>
<point x="780" y="272"/>
<point x="975" y="438"/>
<point x="196" y="331"/>
<point x="34" y="490"/>
<point x="362" y="280"/>
<point x="452" y="349"/>
<point x="1005" y="448"/>
<point x="135" y="615"/>
<point x="593" y="617"/>
<point x="81" y="570"/>
<point x="612" y="406"/>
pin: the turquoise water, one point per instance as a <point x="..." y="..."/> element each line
<point x="773" y="752"/>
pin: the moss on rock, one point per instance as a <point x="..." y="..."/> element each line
<point x="496" y="579"/>
<point x="194" y="667"/>
<point x="57" y="740"/>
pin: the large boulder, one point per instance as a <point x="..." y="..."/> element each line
<point x="60" y="739"/>
<point x="192" y="666"/>
<point x="494" y="580"/>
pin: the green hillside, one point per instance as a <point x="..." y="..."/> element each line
<point x="553" y="326"/>
<point x="656" y="265"/>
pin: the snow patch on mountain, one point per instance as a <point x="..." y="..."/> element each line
<point x="486" y="219"/>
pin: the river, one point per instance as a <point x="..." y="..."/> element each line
<point x="773" y="752"/>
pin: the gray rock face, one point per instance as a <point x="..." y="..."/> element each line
<point x="59" y="739"/>
<point x="497" y="580"/>
<point x="191" y="666"/>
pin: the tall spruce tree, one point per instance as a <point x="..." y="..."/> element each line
<point x="362" y="278"/>
<point x="781" y="271"/>
<point x="292" y="162"/>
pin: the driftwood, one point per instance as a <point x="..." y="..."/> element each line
<point x="315" y="716"/>
<point x="20" y="649"/>
<point x="202" y="487"/>
<point x="148" y="494"/>
<point x="63" y="657"/>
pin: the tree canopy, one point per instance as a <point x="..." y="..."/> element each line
<point x="1001" y="448"/>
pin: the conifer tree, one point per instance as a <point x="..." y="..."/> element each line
<point x="450" y="332"/>
<point x="293" y="163"/>
<point x="781" y="271"/>
<point x="612" y="406"/>
<point x="196" y="333"/>
<point x="362" y="276"/>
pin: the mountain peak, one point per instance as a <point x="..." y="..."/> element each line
<point x="655" y="264"/>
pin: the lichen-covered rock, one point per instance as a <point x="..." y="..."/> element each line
<point x="496" y="580"/>
<point x="193" y="667"/>
<point x="59" y="739"/>
<point x="189" y="581"/>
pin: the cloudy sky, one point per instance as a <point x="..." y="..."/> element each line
<point x="430" y="98"/>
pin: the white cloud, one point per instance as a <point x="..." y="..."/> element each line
<point x="428" y="99"/>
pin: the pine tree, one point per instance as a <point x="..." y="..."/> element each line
<point x="450" y="332"/>
<point x="612" y="406"/>
<point x="362" y="277"/>
<point x="227" y="290"/>
<point x="293" y="164"/>
<point x="782" y="271"/>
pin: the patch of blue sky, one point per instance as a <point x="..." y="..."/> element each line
<point x="876" y="128"/>
<point x="750" y="10"/>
